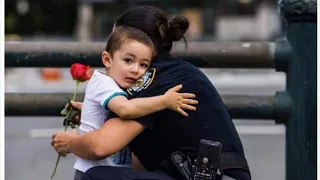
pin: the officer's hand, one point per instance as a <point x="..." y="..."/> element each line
<point x="60" y="141"/>
<point x="76" y="106"/>
<point x="177" y="101"/>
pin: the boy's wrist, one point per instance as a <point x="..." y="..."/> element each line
<point x="164" y="100"/>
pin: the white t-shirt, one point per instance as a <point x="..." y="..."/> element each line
<point x="99" y="91"/>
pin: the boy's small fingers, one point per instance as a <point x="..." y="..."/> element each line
<point x="190" y="101"/>
<point x="182" y="112"/>
<point x="73" y="104"/>
<point x="76" y="105"/>
<point x="188" y="107"/>
<point x="67" y="106"/>
<point x="188" y="95"/>
<point x="177" y="88"/>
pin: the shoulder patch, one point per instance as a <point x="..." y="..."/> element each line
<point x="143" y="82"/>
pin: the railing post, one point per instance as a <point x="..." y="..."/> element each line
<point x="300" y="18"/>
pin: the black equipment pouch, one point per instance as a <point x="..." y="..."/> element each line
<point x="182" y="163"/>
<point x="207" y="163"/>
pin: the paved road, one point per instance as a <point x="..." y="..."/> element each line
<point x="29" y="156"/>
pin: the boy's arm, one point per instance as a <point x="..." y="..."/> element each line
<point x="138" y="107"/>
<point x="111" y="97"/>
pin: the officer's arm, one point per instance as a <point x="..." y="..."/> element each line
<point x="113" y="136"/>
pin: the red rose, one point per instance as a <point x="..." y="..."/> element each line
<point x="79" y="72"/>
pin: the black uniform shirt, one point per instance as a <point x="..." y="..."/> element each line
<point x="168" y="131"/>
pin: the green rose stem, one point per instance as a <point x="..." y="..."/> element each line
<point x="66" y="126"/>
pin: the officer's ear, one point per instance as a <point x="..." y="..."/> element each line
<point x="106" y="59"/>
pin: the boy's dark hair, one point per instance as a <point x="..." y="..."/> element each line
<point x="161" y="28"/>
<point x="124" y="34"/>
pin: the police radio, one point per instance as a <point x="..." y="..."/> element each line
<point x="207" y="163"/>
<point x="205" y="167"/>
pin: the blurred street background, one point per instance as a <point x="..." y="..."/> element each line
<point x="28" y="154"/>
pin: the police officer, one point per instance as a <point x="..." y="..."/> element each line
<point x="155" y="137"/>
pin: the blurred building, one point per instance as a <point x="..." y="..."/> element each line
<point x="86" y="20"/>
<point x="253" y="20"/>
<point x="30" y="19"/>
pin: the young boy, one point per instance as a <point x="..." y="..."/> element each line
<point x="127" y="56"/>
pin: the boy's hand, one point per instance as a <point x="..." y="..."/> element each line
<point x="76" y="106"/>
<point x="178" y="101"/>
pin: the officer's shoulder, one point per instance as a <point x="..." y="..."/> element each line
<point x="175" y="63"/>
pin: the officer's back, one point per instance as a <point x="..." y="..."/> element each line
<point x="168" y="131"/>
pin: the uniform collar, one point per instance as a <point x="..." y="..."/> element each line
<point x="162" y="56"/>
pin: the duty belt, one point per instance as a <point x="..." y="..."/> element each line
<point x="228" y="160"/>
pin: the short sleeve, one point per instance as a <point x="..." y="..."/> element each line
<point x="106" y="90"/>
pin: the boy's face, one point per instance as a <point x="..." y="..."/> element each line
<point x="128" y="63"/>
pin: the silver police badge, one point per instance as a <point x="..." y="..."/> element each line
<point x="143" y="82"/>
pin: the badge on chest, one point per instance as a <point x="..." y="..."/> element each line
<point x="143" y="82"/>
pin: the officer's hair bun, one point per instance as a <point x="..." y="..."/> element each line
<point x="176" y="27"/>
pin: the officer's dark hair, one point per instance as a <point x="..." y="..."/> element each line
<point x="160" y="27"/>
<point x="124" y="34"/>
